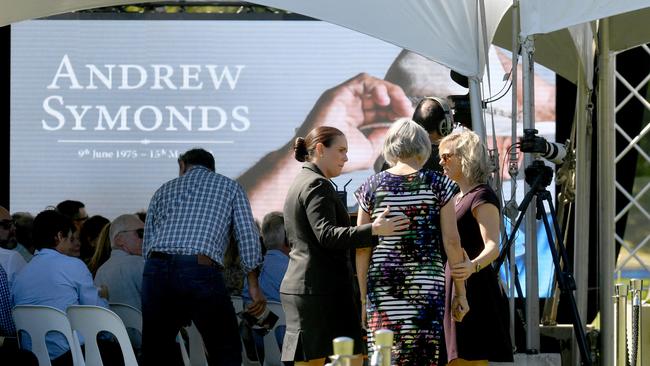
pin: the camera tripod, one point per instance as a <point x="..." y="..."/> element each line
<point x="539" y="176"/>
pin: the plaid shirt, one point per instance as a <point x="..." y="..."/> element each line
<point x="7" y="327"/>
<point x="197" y="213"/>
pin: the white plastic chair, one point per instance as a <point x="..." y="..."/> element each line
<point x="237" y="303"/>
<point x="89" y="320"/>
<point x="37" y="321"/>
<point x="197" y="348"/>
<point x="132" y="318"/>
<point x="272" y="351"/>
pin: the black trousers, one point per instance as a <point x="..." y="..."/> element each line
<point x="176" y="289"/>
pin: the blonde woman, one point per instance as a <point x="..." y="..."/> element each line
<point x="483" y="335"/>
<point x="401" y="280"/>
<point x="102" y="250"/>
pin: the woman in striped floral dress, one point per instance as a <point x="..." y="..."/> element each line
<point x="402" y="279"/>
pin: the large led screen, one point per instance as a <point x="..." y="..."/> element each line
<point x="101" y="109"/>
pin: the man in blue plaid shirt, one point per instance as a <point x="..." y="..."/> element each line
<point x="9" y="352"/>
<point x="7" y="327"/>
<point x="189" y="224"/>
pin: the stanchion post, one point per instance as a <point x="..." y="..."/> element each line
<point x="636" y="289"/>
<point x="620" y="325"/>
<point x="383" y="346"/>
<point x="343" y="351"/>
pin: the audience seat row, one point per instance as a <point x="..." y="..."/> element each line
<point x="87" y="321"/>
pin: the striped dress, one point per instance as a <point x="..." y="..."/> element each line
<point x="406" y="280"/>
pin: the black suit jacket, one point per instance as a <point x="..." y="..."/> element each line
<point x="318" y="228"/>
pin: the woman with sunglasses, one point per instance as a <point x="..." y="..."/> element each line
<point x="316" y="292"/>
<point x="484" y="333"/>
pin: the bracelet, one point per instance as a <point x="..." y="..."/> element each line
<point x="478" y="266"/>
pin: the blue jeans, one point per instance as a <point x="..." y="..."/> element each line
<point x="177" y="290"/>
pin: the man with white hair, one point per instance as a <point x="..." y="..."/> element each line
<point x="273" y="269"/>
<point x="122" y="272"/>
<point x="276" y="259"/>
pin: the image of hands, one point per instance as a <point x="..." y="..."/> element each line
<point x="85" y="106"/>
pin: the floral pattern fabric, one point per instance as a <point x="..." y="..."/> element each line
<point x="406" y="281"/>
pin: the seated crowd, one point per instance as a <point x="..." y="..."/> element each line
<point x="62" y="257"/>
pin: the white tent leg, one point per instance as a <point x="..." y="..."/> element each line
<point x="532" y="286"/>
<point x="476" y="103"/>
<point x="606" y="195"/>
<point x="513" y="158"/>
<point x="581" y="216"/>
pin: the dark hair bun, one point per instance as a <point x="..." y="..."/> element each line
<point x="300" y="149"/>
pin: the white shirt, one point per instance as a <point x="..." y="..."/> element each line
<point x="12" y="262"/>
<point x="122" y="274"/>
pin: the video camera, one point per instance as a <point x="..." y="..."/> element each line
<point x="460" y="103"/>
<point x="462" y="109"/>
<point x="551" y="151"/>
<point x="264" y="321"/>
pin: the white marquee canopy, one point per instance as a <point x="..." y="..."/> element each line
<point x="455" y="33"/>
<point x="544" y="16"/>
<point x="446" y="31"/>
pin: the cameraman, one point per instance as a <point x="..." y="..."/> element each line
<point x="434" y="118"/>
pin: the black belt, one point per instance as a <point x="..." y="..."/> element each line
<point x="201" y="259"/>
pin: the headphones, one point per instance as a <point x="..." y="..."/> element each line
<point x="447" y="124"/>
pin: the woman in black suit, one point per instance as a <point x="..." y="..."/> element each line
<point x="317" y="293"/>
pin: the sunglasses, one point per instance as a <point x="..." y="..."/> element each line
<point x="138" y="232"/>
<point x="7" y="224"/>
<point x="445" y="157"/>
